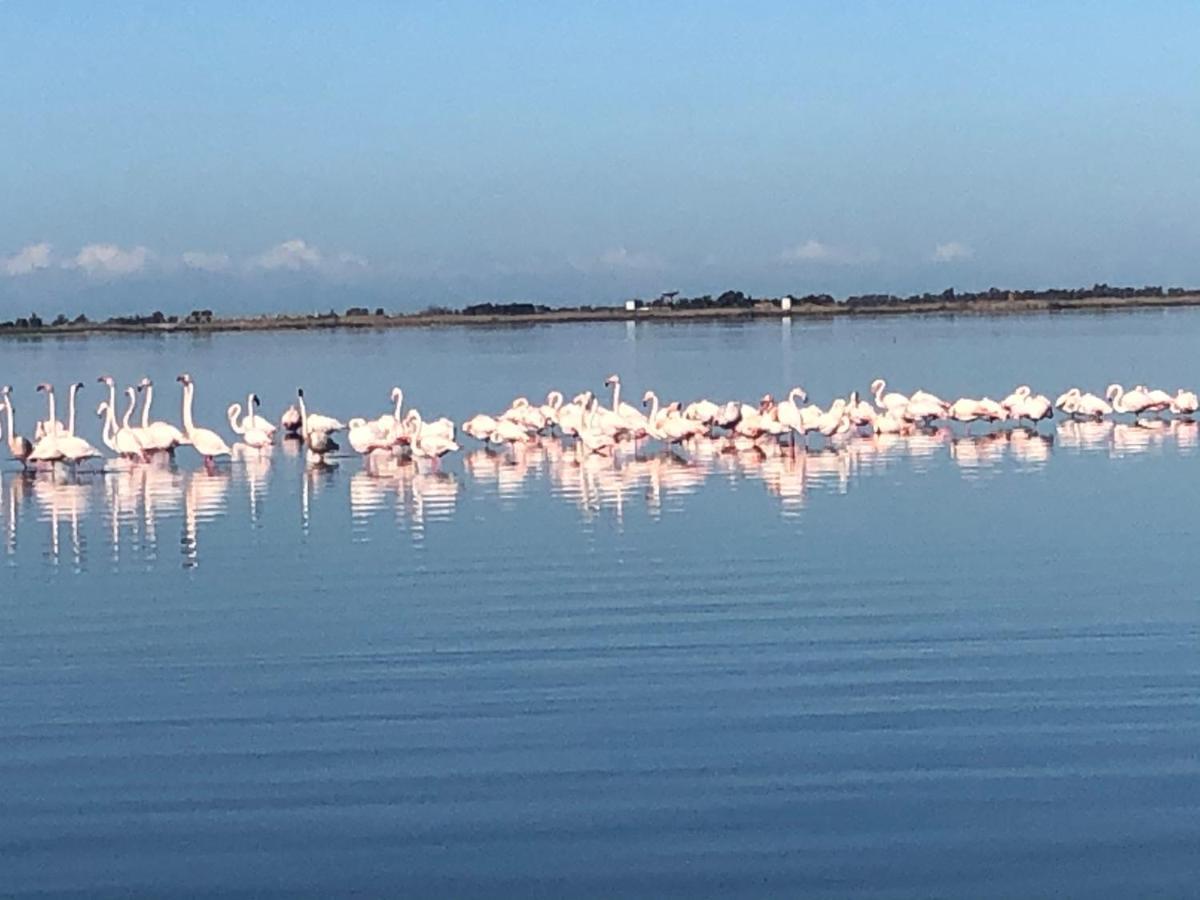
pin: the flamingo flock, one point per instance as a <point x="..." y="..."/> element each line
<point x="591" y="425"/>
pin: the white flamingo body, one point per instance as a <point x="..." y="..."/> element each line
<point x="1184" y="403"/>
<point x="206" y="442"/>
<point x="481" y="426"/>
<point x="506" y="431"/>
<point x="157" y="435"/>
<point x="290" y="420"/>
<point x="887" y="402"/>
<point x="1085" y="406"/>
<point x="367" y="437"/>
<point x="46" y="449"/>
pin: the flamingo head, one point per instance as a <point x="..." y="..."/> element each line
<point x="105" y="379"/>
<point x="46" y="388"/>
<point x="185" y="379"/>
<point x="254" y="399"/>
<point x="647" y="397"/>
<point x="300" y="392"/>
<point x="612" y="380"/>
<point x="78" y="386"/>
<point x="397" y="394"/>
<point x="102" y="408"/>
<point x="878" y="385"/>
<point x="144" y="383"/>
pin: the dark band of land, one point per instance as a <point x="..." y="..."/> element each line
<point x="666" y="308"/>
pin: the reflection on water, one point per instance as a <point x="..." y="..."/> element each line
<point x="138" y="501"/>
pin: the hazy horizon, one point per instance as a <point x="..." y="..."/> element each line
<point x="302" y="157"/>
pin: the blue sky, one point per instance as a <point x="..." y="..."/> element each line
<point x="301" y="155"/>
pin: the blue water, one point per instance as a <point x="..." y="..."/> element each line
<point x="946" y="665"/>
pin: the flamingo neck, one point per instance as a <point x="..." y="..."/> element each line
<point x="146" y="406"/>
<point x="188" y="425"/>
<point x="234" y="413"/>
<point x="303" y="415"/>
<point x="399" y="404"/>
<point x="616" y="401"/>
<point x="71" y="409"/>
<point x="53" y="420"/>
<point x="129" y="412"/>
<point x="653" y="407"/>
<point x="8" y="415"/>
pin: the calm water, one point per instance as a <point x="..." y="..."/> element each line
<point x="943" y="665"/>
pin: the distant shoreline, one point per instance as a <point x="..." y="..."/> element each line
<point x="439" y="319"/>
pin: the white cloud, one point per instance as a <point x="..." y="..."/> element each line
<point x="951" y="251"/>
<point x="814" y="251"/>
<point x="292" y="255"/>
<point x="109" y="259"/>
<point x="206" y="262"/>
<point x="27" y="260"/>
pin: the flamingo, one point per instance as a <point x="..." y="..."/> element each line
<point x="669" y="425"/>
<point x="965" y="410"/>
<point x="291" y="421"/>
<point x="157" y="435"/>
<point x="252" y="421"/>
<point x="429" y="440"/>
<point x="521" y="412"/>
<point x="1028" y="405"/>
<point x="926" y="398"/>
<point x="887" y="402"/>
<point x="318" y="441"/>
<point x="571" y="415"/>
<point x="442" y="428"/>
<point x="1160" y="400"/>
<point x="74" y="449"/>
<point x="549" y="409"/>
<point x="923" y="409"/>
<point x="367" y="437"/>
<point x="787" y="413"/>
<point x="1184" y="403"/>
<point x="861" y="413"/>
<point x="633" y="417"/>
<point x="835" y="422"/>
<point x="506" y="431"/>
<point x="389" y="425"/>
<point x="591" y="436"/>
<point x="121" y="441"/>
<point x="1135" y="401"/>
<point x="1085" y="406"/>
<point x="46" y="449"/>
<point x="207" y="442"/>
<point x="481" y="426"/>
<point x="249" y="428"/>
<point x="704" y="411"/>
<point x="19" y="447"/>
<point x="62" y="445"/>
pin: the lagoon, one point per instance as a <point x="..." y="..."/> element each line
<point x="942" y="665"/>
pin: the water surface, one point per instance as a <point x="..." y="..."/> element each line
<point x="944" y="665"/>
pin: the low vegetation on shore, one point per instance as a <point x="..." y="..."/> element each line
<point x="670" y="305"/>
